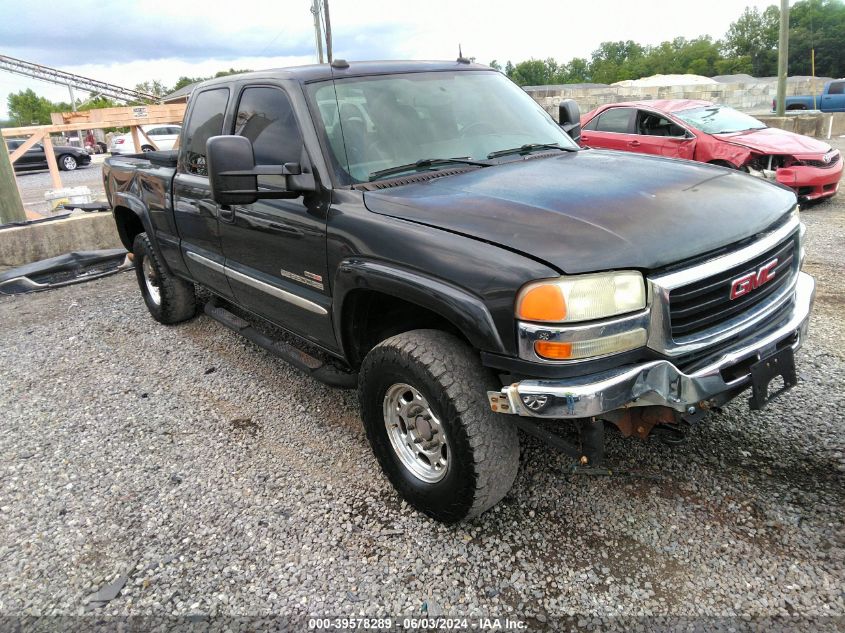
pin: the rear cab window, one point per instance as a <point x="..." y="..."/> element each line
<point x="205" y="120"/>
<point x="836" y="88"/>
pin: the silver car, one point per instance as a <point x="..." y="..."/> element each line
<point x="164" y="137"/>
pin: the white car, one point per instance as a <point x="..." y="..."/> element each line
<point x="164" y="137"/>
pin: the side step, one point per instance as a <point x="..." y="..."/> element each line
<point x="303" y="361"/>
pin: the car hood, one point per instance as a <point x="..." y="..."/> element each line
<point x="594" y="210"/>
<point x="774" y="141"/>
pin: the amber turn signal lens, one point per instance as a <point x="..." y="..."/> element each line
<point x="543" y="302"/>
<point x="553" y="349"/>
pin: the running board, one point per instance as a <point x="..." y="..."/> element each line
<point x="303" y="361"/>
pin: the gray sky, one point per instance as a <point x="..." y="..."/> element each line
<point x="128" y="42"/>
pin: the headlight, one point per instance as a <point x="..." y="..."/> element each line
<point x="581" y="297"/>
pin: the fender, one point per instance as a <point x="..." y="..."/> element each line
<point x="736" y="155"/>
<point x="465" y="311"/>
<point x="134" y="204"/>
<point x="171" y="256"/>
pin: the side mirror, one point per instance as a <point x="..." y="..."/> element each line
<point x="569" y="118"/>
<point x="233" y="173"/>
<point x="225" y="155"/>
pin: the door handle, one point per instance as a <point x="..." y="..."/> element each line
<point x="634" y="144"/>
<point x="585" y="138"/>
<point x="226" y="213"/>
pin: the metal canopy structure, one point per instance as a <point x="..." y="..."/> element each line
<point x="56" y="76"/>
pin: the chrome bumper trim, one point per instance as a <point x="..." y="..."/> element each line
<point x="652" y="383"/>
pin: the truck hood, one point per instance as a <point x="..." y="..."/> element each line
<point x="774" y="141"/>
<point x="594" y="210"/>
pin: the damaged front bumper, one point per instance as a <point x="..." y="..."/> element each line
<point x="809" y="183"/>
<point x="660" y="383"/>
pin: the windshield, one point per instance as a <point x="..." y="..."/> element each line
<point x="719" y="119"/>
<point x="377" y="123"/>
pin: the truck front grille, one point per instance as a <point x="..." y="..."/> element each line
<point x="707" y="302"/>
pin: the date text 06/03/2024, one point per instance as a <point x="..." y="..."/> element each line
<point x="418" y="624"/>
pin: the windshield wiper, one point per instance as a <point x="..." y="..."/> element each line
<point x="528" y="148"/>
<point x="425" y="163"/>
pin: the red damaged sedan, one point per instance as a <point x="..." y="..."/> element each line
<point x="716" y="134"/>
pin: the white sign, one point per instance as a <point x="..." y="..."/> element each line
<point x="140" y="112"/>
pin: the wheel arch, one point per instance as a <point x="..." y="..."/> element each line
<point x="131" y="218"/>
<point x="375" y="300"/>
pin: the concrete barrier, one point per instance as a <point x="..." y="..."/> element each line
<point x="24" y="244"/>
<point x="818" y="124"/>
<point x="748" y="96"/>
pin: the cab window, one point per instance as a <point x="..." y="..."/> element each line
<point x="206" y="120"/>
<point x="265" y="116"/>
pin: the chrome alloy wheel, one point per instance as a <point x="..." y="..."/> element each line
<point x="415" y="433"/>
<point x="69" y="163"/>
<point x="151" y="280"/>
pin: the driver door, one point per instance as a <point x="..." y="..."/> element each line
<point x="276" y="248"/>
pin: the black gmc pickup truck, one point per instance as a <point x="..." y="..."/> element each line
<point x="425" y="232"/>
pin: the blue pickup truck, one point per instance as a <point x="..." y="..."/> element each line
<point x="832" y="99"/>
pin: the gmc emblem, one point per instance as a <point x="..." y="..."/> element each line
<point x="745" y="284"/>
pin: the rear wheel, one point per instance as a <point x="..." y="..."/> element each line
<point x="67" y="162"/>
<point x="423" y="398"/>
<point x="147" y="148"/>
<point x="168" y="298"/>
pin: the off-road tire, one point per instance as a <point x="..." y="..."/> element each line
<point x="178" y="301"/>
<point x="483" y="446"/>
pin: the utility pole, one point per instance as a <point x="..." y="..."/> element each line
<point x="328" y="30"/>
<point x="11" y="207"/>
<point x="783" y="55"/>
<point x="318" y="31"/>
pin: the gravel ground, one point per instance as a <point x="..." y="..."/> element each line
<point x="33" y="185"/>
<point x="225" y="483"/>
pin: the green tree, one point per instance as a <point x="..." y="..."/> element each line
<point x="27" y="108"/>
<point x="819" y="25"/>
<point x="153" y="87"/>
<point x="97" y="103"/>
<point x="537" y="72"/>
<point x="615" y="61"/>
<point x="187" y="81"/>
<point x="577" y="71"/>
<point x="755" y="35"/>
<point x="231" y="71"/>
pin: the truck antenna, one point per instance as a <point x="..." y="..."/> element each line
<point x="461" y="59"/>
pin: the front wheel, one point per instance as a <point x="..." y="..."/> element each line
<point x="423" y="398"/>
<point x="67" y="162"/>
<point x="168" y="298"/>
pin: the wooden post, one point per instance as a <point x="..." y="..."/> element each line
<point x="51" y="162"/>
<point x="135" y="138"/>
<point x="11" y="207"/>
